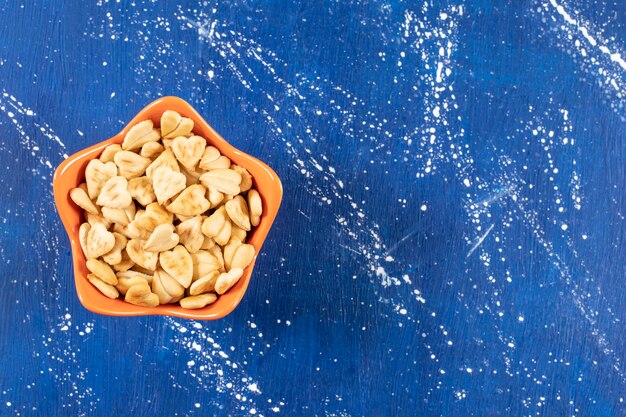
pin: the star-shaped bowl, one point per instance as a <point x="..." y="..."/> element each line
<point x="71" y="173"/>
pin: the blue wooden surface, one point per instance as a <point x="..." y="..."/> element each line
<point x="451" y="241"/>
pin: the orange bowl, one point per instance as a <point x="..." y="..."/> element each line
<point x="71" y="173"/>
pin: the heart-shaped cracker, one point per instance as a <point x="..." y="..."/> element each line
<point x="139" y="135"/>
<point x="166" y="158"/>
<point x="222" y="162"/>
<point x="166" y="288"/>
<point x="229" y="252"/>
<point x="169" y="122"/>
<point x="151" y="150"/>
<point x="191" y="202"/>
<point x="226" y="280"/>
<point x="242" y="256"/>
<point x="135" y="274"/>
<point x="237" y="255"/>
<point x="203" y="264"/>
<point x="215" y="222"/>
<point x="102" y="270"/>
<point x="223" y="180"/>
<point x="83" y="232"/>
<point x="82" y="200"/>
<point x="124" y="284"/>
<point x="188" y="151"/>
<point x="114" y="256"/>
<point x="163" y="238"/>
<point x="141" y="190"/>
<point x="99" y="241"/>
<point x="255" y="207"/>
<point x="215" y="197"/>
<point x="96" y="174"/>
<point x="106" y="289"/>
<point x="167" y="183"/>
<point x="237" y="210"/>
<point x="246" y="178"/>
<point x="210" y="154"/>
<point x="178" y="264"/>
<point x="114" y="193"/>
<point x="190" y="234"/>
<point x="198" y="301"/>
<point x="173" y="125"/>
<point x="130" y="165"/>
<point x="205" y="283"/>
<point x="141" y="295"/>
<point x="109" y="152"/>
<point x="141" y="257"/>
<point x="218" y="226"/>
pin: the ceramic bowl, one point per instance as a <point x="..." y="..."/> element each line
<point x="71" y="173"/>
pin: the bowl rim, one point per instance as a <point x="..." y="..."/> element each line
<point x="271" y="193"/>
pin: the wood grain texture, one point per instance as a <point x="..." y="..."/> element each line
<point x="451" y="240"/>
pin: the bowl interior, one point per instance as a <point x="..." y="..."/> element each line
<point x="71" y="173"/>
